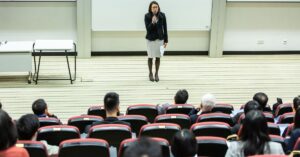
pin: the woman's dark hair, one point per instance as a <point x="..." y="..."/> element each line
<point x="254" y="133"/>
<point x="27" y="126"/>
<point x="296" y="103"/>
<point x="297" y="119"/>
<point x="184" y="144"/>
<point x="261" y="98"/>
<point x="8" y="131"/>
<point x="181" y="96"/>
<point x="252" y="105"/>
<point x="150" y="6"/>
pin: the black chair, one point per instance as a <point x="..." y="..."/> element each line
<point x="216" y="129"/>
<point x="182" y="120"/>
<point x="287" y="118"/>
<point x="49" y="121"/>
<point x="216" y="117"/>
<point x="57" y="133"/>
<point x="84" y="147"/>
<point x="97" y="111"/>
<point x="82" y="121"/>
<point x="179" y="109"/>
<point x="136" y="121"/>
<point x="274" y="129"/>
<point x="222" y="107"/>
<point x="114" y="134"/>
<point x="34" y="148"/>
<point x="149" y="111"/>
<point x="211" y="146"/>
<point x="283" y="108"/>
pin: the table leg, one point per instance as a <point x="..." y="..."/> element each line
<point x="38" y="68"/>
<point x="70" y="75"/>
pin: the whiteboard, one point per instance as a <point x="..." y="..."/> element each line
<point x="128" y="15"/>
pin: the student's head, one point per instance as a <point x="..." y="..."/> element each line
<point x="252" y="105"/>
<point x="184" y="144"/>
<point x="8" y="131"/>
<point x="261" y="98"/>
<point x="297" y="119"/>
<point x="208" y="102"/>
<point x="111" y="103"/>
<point x="296" y="103"/>
<point x="144" y="147"/>
<point x="154" y="8"/>
<point x="254" y="133"/>
<point x="39" y="107"/>
<point x="181" y="97"/>
<point x="27" y="126"/>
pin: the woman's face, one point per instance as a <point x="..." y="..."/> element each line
<point x="154" y="8"/>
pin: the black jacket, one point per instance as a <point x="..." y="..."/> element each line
<point x="158" y="30"/>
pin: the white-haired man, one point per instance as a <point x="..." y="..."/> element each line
<point x="208" y="101"/>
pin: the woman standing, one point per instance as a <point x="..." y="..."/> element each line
<point x="157" y="36"/>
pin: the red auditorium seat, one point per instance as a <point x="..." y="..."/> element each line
<point x="97" y="111"/>
<point x="216" y="117"/>
<point x="49" y="121"/>
<point x="287" y="132"/>
<point x="224" y="108"/>
<point x="160" y="130"/>
<point x="211" y="146"/>
<point x="182" y="120"/>
<point x="286" y="118"/>
<point x="84" y="148"/>
<point x="284" y="108"/>
<point x="269" y="116"/>
<point x="216" y="129"/>
<point x="180" y="108"/>
<point x="82" y="121"/>
<point x="57" y="133"/>
<point x="34" y="148"/>
<point x="163" y="142"/>
<point x="114" y="134"/>
<point x="136" y="121"/>
<point x="149" y="111"/>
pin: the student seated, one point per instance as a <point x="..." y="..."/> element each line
<point x="262" y="100"/>
<point x="40" y="109"/>
<point x="112" y="108"/>
<point x="295" y="134"/>
<point x="184" y="144"/>
<point x="296" y="103"/>
<point x="181" y="97"/>
<point x="144" y="147"/>
<point x="254" y="138"/>
<point x="207" y="104"/>
<point x="27" y="127"/>
<point x="8" y="138"/>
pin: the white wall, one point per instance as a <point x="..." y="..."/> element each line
<point x="272" y="23"/>
<point x="37" y="20"/>
<point x="135" y="41"/>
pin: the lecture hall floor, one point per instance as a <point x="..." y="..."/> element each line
<point x="233" y="79"/>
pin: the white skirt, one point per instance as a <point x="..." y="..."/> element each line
<point x="153" y="48"/>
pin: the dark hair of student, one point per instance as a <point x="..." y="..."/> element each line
<point x="8" y="131"/>
<point x="181" y="96"/>
<point x="144" y="147"/>
<point x="27" y="126"/>
<point x="254" y="133"/>
<point x="111" y="101"/>
<point x="39" y="107"/>
<point x="184" y="144"/>
<point x="261" y="98"/>
<point x="251" y="105"/>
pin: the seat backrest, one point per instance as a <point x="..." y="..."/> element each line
<point x="147" y="110"/>
<point x="84" y="147"/>
<point x="216" y="129"/>
<point x="222" y="107"/>
<point x="162" y="142"/>
<point x="97" y="110"/>
<point x="287" y="132"/>
<point x="114" y="134"/>
<point x="286" y="118"/>
<point x="34" y="148"/>
<point x="49" y="121"/>
<point x="216" y="117"/>
<point x="82" y="121"/>
<point x="182" y="120"/>
<point x="57" y="133"/>
<point x="211" y="146"/>
<point x="160" y="130"/>
<point x="284" y="108"/>
<point x="297" y="144"/>
<point x="269" y="117"/>
<point x="136" y="121"/>
<point x="180" y="109"/>
<point x="273" y="129"/>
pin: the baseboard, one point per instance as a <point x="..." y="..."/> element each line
<point x="260" y="52"/>
<point x="144" y="53"/>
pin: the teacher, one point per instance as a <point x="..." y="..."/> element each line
<point x="157" y="36"/>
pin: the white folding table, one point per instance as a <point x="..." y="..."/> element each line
<point x="54" y="48"/>
<point x="15" y="56"/>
